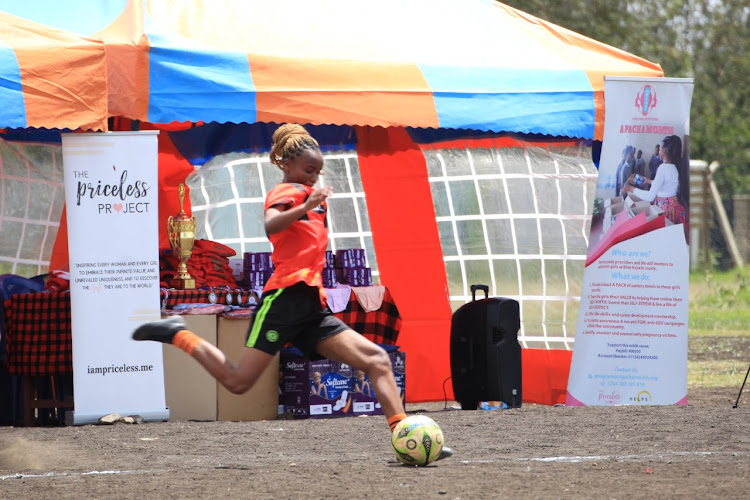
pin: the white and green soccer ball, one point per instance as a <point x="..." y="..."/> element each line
<point x="417" y="440"/>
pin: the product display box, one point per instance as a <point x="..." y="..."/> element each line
<point x="364" y="400"/>
<point x="257" y="279"/>
<point x="257" y="268"/>
<point x="350" y="257"/>
<point x="329" y="277"/>
<point x="355" y="276"/>
<point x="258" y="261"/>
<point x="314" y="389"/>
<point x="326" y="389"/>
<point x="330" y="259"/>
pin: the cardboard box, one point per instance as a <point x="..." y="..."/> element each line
<point x="346" y="392"/>
<point x="632" y="201"/>
<point x="364" y="400"/>
<point x="329" y="277"/>
<point x="350" y="257"/>
<point x="189" y="389"/>
<point x="634" y="198"/>
<point x="330" y="259"/>
<point x="261" y="401"/>
<point x="652" y="212"/>
<point x="315" y="389"/>
<point x="258" y="261"/>
<point x="355" y="276"/>
<point x="637" y="207"/>
<point x="612" y="201"/>
<point x="616" y="209"/>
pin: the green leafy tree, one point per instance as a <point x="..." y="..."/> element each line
<point x="707" y="40"/>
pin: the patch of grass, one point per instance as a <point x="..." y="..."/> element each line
<point x="720" y="373"/>
<point x="719" y="347"/>
<point x="720" y="303"/>
<point x="718" y="328"/>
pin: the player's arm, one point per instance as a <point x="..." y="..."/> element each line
<point x="279" y="217"/>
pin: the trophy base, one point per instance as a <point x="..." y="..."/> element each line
<point x="182" y="283"/>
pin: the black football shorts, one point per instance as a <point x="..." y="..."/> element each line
<point x="295" y="315"/>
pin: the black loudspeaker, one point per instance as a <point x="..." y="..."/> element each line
<point x="485" y="353"/>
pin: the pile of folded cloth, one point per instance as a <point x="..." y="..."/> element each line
<point x="208" y="264"/>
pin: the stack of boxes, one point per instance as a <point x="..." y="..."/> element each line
<point x="325" y="388"/>
<point x="257" y="268"/>
<point x="347" y="266"/>
<point x="351" y="267"/>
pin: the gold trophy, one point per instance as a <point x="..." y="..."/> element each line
<point x="181" y="230"/>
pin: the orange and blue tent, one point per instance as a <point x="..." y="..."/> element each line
<point x="456" y="64"/>
<point x="382" y="69"/>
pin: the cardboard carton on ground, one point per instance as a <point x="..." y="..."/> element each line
<point x="364" y="399"/>
<point x="315" y="389"/>
<point x="261" y="401"/>
<point x="190" y="391"/>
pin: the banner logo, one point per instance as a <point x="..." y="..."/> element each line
<point x="120" y="189"/>
<point x="642" y="397"/>
<point x="645" y="100"/>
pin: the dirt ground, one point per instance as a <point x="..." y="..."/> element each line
<point x="701" y="450"/>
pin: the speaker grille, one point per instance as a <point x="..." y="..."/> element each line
<point x="497" y="335"/>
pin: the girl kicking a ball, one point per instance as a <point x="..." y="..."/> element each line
<point x="292" y="307"/>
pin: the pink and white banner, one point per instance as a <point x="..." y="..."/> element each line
<point x="631" y="337"/>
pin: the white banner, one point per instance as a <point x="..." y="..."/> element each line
<point x="113" y="239"/>
<point x="632" y="332"/>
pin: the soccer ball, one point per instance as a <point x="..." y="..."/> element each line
<point x="417" y="440"/>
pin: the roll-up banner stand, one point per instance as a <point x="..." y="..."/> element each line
<point x="113" y="239"/>
<point x="632" y="333"/>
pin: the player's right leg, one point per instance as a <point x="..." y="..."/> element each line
<point x="237" y="378"/>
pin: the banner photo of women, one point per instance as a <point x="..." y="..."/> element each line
<point x="632" y="334"/>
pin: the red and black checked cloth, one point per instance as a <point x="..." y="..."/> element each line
<point x="381" y="326"/>
<point x="37" y="326"/>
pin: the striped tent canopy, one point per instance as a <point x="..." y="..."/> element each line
<point x="457" y="64"/>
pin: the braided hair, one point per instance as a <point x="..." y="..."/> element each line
<point x="289" y="140"/>
<point x="672" y="146"/>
